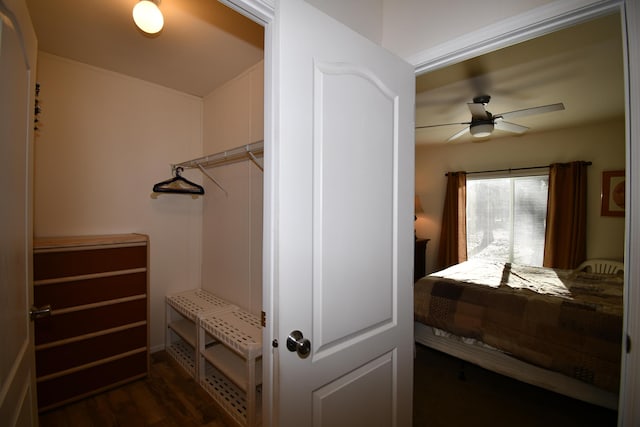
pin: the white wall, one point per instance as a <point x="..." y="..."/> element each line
<point x="104" y="140"/>
<point x="363" y="16"/>
<point x="601" y="143"/>
<point x="234" y="113"/>
<point x="411" y="26"/>
<point x="232" y="221"/>
<point x="408" y="27"/>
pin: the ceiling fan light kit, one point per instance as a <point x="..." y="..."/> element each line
<point x="483" y="123"/>
<point x="481" y="130"/>
<point x="148" y="17"/>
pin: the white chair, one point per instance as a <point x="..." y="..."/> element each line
<point x="603" y="266"/>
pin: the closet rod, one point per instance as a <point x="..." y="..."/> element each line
<point x="224" y="157"/>
<point x="512" y="169"/>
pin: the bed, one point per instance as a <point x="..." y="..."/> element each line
<point x="557" y="329"/>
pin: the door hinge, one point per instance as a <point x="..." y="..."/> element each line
<point x="263" y="319"/>
<point x="628" y="344"/>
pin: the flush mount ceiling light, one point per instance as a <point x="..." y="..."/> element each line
<point x="148" y="17"/>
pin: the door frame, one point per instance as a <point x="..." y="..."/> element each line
<point x="263" y="12"/>
<point x="540" y="21"/>
<point x="536" y="22"/>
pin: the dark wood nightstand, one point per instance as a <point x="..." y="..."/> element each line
<point x="420" y="259"/>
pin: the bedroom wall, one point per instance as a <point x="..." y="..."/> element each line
<point x="232" y="221"/>
<point x="601" y="143"/>
<point x="104" y="140"/>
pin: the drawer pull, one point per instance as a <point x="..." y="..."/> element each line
<point x="40" y="312"/>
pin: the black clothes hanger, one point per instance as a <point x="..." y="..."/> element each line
<point x="178" y="185"/>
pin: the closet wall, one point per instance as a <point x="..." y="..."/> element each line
<point x="104" y="140"/>
<point x="233" y="116"/>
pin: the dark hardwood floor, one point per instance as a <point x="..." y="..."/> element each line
<point x="169" y="397"/>
<point x="441" y="398"/>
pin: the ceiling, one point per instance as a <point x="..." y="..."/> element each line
<point x="581" y="67"/>
<point x="203" y="43"/>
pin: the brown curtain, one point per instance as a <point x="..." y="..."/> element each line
<point x="566" y="233"/>
<point x="453" y="236"/>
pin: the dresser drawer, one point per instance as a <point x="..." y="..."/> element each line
<point x="76" y="323"/>
<point x="71" y="262"/>
<point x="89" y="350"/>
<point x="84" y="382"/>
<point x="88" y="291"/>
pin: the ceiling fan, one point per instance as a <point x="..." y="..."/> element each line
<point x="483" y="122"/>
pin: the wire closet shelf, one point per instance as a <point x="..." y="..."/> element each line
<point x="237" y="154"/>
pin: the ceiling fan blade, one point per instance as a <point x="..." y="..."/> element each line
<point x="477" y="110"/>
<point x="531" y="111"/>
<point x="510" y="127"/>
<point x="442" y="124"/>
<point x="458" y="134"/>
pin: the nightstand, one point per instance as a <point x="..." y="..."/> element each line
<point x="420" y="259"/>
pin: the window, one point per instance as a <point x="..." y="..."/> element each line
<point x="506" y="218"/>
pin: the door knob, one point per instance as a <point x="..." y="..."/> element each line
<point x="298" y="343"/>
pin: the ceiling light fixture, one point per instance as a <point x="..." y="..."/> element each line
<point x="481" y="130"/>
<point x="148" y="17"/>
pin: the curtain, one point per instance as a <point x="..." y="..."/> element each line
<point x="566" y="232"/>
<point x="453" y="235"/>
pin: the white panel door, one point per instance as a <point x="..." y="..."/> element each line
<point x="17" y="383"/>
<point x="343" y="237"/>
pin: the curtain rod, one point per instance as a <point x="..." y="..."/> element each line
<point x="512" y="169"/>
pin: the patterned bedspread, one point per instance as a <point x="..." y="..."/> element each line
<point x="561" y="320"/>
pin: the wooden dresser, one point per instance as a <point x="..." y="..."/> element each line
<point x="97" y="334"/>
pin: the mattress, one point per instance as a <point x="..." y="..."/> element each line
<point x="562" y="320"/>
